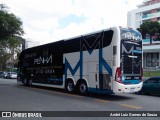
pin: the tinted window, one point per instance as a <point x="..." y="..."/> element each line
<point x="131" y="52"/>
<point x="88" y="42"/>
<point x="152" y="80"/>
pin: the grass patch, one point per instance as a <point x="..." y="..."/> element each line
<point x="151" y="73"/>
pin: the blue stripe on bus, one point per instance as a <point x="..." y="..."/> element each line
<point x="102" y="63"/>
<point x="137" y="51"/>
<point x="107" y="67"/>
<point x="73" y="70"/>
<point x="55" y="79"/>
<point x="131" y="81"/>
<point x="79" y="65"/>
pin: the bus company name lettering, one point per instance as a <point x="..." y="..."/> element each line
<point x="43" y="60"/>
<point x="30" y="55"/>
<point x="131" y="36"/>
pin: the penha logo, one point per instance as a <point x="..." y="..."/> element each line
<point x="43" y="60"/>
<point x="132" y="37"/>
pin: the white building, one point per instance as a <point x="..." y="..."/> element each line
<point x="30" y="43"/>
<point x="149" y="10"/>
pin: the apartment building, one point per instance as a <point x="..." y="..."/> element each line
<point x="149" y="10"/>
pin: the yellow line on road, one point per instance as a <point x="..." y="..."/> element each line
<point x="67" y="94"/>
<point x="74" y="95"/>
<point x="131" y="106"/>
<point x="104" y="101"/>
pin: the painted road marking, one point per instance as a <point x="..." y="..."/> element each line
<point x="97" y="100"/>
<point x="103" y="101"/>
<point x="131" y="106"/>
<point x="67" y="94"/>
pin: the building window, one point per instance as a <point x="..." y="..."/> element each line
<point x="152" y="59"/>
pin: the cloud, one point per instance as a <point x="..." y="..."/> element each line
<point x="52" y="20"/>
<point x="44" y="24"/>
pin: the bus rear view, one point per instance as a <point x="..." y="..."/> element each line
<point x="129" y="74"/>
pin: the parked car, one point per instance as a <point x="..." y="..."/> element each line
<point x="11" y="75"/>
<point x="3" y="74"/>
<point x="151" y="86"/>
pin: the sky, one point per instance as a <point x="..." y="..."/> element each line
<point x="47" y="21"/>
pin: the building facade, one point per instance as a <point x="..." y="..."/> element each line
<point x="149" y="10"/>
<point x="30" y="43"/>
<point x="27" y="43"/>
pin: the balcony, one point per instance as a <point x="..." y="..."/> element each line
<point x="151" y="15"/>
<point x="146" y="41"/>
<point x="154" y="41"/>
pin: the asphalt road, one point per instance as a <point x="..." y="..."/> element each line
<point x="14" y="97"/>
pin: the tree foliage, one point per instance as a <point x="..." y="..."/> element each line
<point x="10" y="32"/>
<point x="150" y="28"/>
<point x="10" y="25"/>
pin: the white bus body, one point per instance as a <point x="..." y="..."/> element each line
<point x="106" y="61"/>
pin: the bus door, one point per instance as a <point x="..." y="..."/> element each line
<point x="93" y="74"/>
<point x="104" y="81"/>
<point x="97" y="80"/>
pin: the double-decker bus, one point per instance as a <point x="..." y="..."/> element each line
<point x="105" y="61"/>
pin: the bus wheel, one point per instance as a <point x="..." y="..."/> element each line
<point x="82" y="88"/>
<point x="25" y="81"/>
<point x="70" y="86"/>
<point x="30" y="82"/>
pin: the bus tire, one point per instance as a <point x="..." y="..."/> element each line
<point x="82" y="88"/>
<point x="30" y="82"/>
<point x="24" y="81"/>
<point x="69" y="86"/>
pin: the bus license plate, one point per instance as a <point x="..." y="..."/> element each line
<point x="132" y="89"/>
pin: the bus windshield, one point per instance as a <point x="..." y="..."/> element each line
<point x="131" y="53"/>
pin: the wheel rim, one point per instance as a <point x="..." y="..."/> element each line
<point x="83" y="88"/>
<point x="70" y="87"/>
<point x="30" y="82"/>
<point x="24" y="82"/>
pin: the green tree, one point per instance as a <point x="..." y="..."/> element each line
<point x="10" y="32"/>
<point x="150" y="28"/>
<point x="10" y="25"/>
